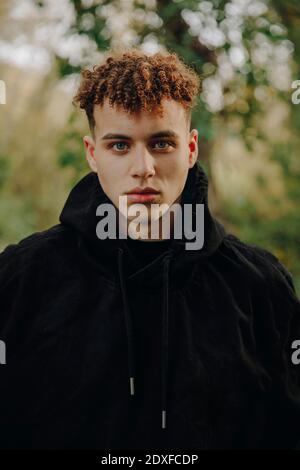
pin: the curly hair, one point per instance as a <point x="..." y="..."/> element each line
<point x="135" y="81"/>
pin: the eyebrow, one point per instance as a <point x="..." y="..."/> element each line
<point x="167" y="133"/>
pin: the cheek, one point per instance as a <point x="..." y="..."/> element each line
<point x="103" y="164"/>
<point x="177" y="172"/>
<point x="176" y="164"/>
<point x="109" y="176"/>
<point x="177" y="179"/>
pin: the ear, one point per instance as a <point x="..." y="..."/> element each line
<point x="89" y="145"/>
<point x="193" y="147"/>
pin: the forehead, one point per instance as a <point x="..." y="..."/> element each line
<point x="116" y="119"/>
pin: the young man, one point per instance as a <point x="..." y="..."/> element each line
<point x="115" y="342"/>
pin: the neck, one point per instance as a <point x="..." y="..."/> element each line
<point x="148" y="230"/>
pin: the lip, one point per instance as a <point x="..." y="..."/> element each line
<point x="147" y="190"/>
<point x="139" y="194"/>
<point x="141" y="197"/>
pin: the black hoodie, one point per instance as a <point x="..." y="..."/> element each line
<point x="192" y="350"/>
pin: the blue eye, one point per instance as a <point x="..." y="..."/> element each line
<point x="162" y="142"/>
<point x="119" y="143"/>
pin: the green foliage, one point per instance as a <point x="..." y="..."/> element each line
<point x="17" y="219"/>
<point x="4" y="171"/>
<point x="71" y="150"/>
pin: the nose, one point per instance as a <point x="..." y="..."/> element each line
<point x="142" y="164"/>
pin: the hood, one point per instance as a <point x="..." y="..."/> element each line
<point x="79" y="214"/>
<point x="172" y="269"/>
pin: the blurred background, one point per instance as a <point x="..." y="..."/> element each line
<point x="248" y="117"/>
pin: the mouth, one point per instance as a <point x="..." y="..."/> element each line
<point x="142" y="195"/>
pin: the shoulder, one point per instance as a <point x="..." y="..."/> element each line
<point x="37" y="249"/>
<point x="257" y="264"/>
<point x="275" y="306"/>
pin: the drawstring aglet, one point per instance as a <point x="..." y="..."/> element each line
<point x="131" y="385"/>
<point x="163" y="419"/>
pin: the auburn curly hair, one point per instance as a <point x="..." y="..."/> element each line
<point x="135" y="81"/>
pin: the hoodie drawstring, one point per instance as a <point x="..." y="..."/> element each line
<point x="128" y="323"/>
<point x="165" y="332"/>
<point x="165" y="343"/>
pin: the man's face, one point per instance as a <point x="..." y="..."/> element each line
<point x="128" y="153"/>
